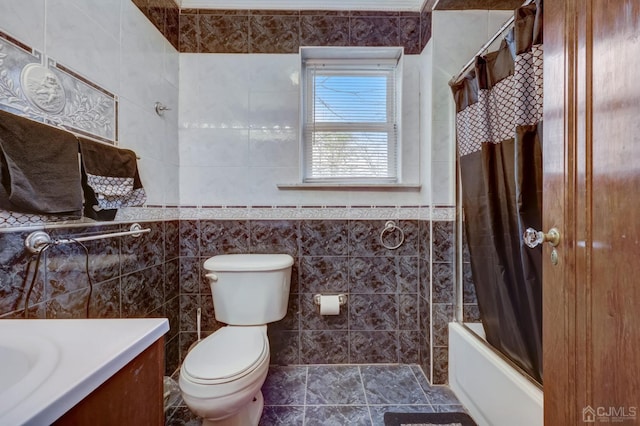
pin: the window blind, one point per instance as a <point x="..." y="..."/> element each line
<point x="350" y="128"/>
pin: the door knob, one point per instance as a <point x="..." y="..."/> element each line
<point x="532" y="237"/>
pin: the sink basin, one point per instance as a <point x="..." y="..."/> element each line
<point x="27" y="361"/>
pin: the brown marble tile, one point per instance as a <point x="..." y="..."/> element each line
<point x="274" y="12"/>
<point x="244" y="12"/>
<point x="409" y="33"/>
<point x="383" y="274"/>
<point x="440" y="366"/>
<point x="68" y="305"/>
<point x="105" y="300"/>
<point x="171" y="355"/>
<point x="425" y="29"/>
<point x="156" y="12"/>
<point x="442" y="238"/>
<point x="274" y="236"/>
<point x="223" y="237"/>
<point x="172" y="25"/>
<point x="142" y="292"/>
<point x="408" y="312"/>
<point x="442" y="316"/>
<point x="324" y="30"/>
<point x="284" y="346"/>
<point x="373" y="347"/>
<point x="375" y="13"/>
<point x="326" y="274"/>
<point x="189" y="304"/>
<point x="425" y="354"/>
<point x="324" y="237"/>
<point x="324" y="347"/>
<point x="325" y="12"/>
<point x="171" y="239"/>
<point x="373" y="312"/>
<point x="189" y="238"/>
<point x="409" y="347"/>
<point x="189" y="38"/>
<point x="374" y="31"/>
<point x="478" y="4"/>
<point x="443" y="283"/>
<point x="224" y="34"/>
<point x="274" y="34"/>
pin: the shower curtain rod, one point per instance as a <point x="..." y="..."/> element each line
<point x="485" y="46"/>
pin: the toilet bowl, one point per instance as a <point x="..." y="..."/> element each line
<point x="221" y="377"/>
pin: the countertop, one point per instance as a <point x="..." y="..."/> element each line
<point x="90" y="351"/>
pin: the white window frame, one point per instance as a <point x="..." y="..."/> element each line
<point x="350" y="61"/>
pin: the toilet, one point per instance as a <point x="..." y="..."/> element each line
<point x="221" y="377"/>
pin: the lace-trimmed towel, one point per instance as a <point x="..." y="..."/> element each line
<point x="110" y="179"/>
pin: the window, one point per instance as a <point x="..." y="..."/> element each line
<point x="350" y="115"/>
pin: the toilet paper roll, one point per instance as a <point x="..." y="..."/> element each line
<point x="330" y="305"/>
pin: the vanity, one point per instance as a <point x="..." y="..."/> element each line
<point x="82" y="371"/>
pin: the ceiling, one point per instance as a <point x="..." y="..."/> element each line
<point x="394" y="5"/>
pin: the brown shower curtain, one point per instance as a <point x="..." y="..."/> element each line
<point x="499" y="137"/>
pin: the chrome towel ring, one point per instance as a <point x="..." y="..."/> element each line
<point x="390" y="226"/>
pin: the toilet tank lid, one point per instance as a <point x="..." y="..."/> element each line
<point x="248" y="262"/>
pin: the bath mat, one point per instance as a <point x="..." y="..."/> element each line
<point x="428" y="419"/>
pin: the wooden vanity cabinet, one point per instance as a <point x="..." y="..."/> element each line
<point x="132" y="396"/>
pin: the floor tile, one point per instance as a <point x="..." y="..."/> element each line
<point x="391" y="385"/>
<point x="334" y="385"/>
<point x="377" y="411"/>
<point x="340" y="395"/>
<point x="282" y="415"/>
<point x="285" y="385"/>
<point x="334" y="415"/>
<point x="436" y="394"/>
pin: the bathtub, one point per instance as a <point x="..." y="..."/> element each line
<point x="493" y="392"/>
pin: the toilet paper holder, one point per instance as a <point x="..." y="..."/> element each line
<point x="342" y="299"/>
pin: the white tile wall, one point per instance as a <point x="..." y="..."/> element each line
<point x="236" y="116"/>
<point x="24" y="20"/>
<point x="221" y="95"/>
<point x="113" y="44"/>
<point x="456" y="37"/>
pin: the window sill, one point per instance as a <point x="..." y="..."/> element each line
<point x="399" y="187"/>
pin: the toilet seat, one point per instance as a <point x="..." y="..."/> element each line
<point x="227" y="355"/>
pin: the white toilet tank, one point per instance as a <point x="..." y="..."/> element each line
<point x="249" y="289"/>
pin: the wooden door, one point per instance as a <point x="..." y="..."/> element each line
<point x="591" y="319"/>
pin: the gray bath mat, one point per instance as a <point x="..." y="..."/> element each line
<point x="428" y="419"/>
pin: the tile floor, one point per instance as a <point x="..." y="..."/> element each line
<point x="336" y="395"/>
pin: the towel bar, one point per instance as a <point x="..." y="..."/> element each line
<point x="36" y="240"/>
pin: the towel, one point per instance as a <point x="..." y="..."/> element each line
<point x="39" y="169"/>
<point x="110" y="179"/>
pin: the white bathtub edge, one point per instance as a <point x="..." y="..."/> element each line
<point x="494" y="393"/>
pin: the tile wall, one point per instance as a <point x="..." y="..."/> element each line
<point x="390" y="293"/>
<point x="112" y="44"/>
<point x="410" y="300"/>
<point x="131" y="277"/>
<point x="284" y="31"/>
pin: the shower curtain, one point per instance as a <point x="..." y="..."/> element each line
<point x="499" y="137"/>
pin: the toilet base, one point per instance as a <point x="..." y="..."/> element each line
<point x="248" y="416"/>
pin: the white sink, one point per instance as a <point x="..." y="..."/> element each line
<point x="27" y="361"/>
<point x="47" y="366"/>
